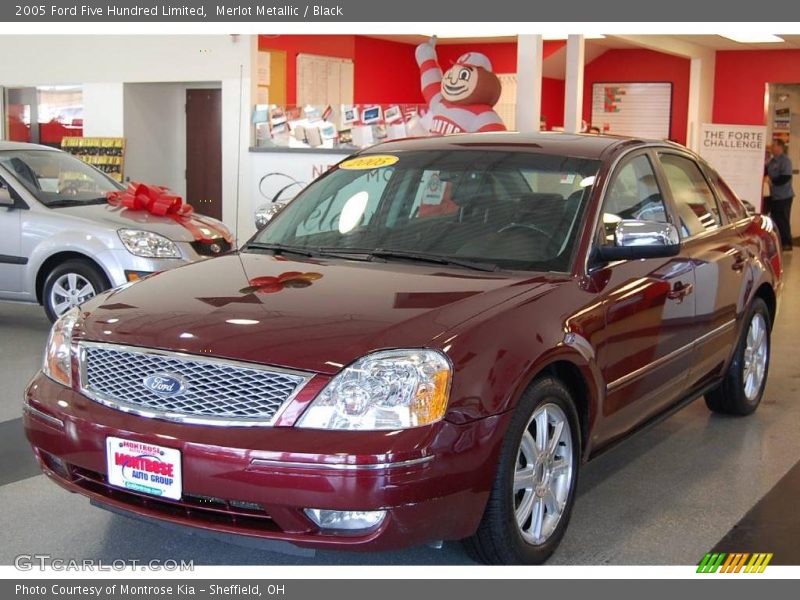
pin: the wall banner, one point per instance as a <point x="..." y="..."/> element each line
<point x="737" y="153"/>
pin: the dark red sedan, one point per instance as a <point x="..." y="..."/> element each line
<point x="425" y="345"/>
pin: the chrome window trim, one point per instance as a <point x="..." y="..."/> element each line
<point x="132" y="409"/>
<point x="668" y="357"/>
<point x="267" y="462"/>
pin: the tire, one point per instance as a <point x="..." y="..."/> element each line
<point x="499" y="538"/>
<point x="743" y="386"/>
<point x="82" y="276"/>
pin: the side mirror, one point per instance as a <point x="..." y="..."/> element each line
<point x="5" y="197"/>
<point x="635" y="239"/>
<point x="266" y="212"/>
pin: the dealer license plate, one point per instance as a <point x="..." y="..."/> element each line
<point x="144" y="468"/>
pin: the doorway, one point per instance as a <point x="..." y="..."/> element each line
<point x="783" y="121"/>
<point x="204" y="151"/>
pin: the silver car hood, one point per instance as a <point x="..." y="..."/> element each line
<point x="121" y="218"/>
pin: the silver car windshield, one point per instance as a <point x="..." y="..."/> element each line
<point x="497" y="209"/>
<point x="57" y="178"/>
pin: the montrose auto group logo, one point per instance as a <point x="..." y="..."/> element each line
<point x="142" y="464"/>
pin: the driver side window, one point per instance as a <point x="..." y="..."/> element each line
<point x="633" y="194"/>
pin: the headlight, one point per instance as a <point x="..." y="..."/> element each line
<point x="148" y="244"/>
<point x="58" y="356"/>
<point x="391" y="389"/>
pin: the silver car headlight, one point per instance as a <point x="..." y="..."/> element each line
<point x="58" y="356"/>
<point x="390" y="389"/>
<point x="148" y="244"/>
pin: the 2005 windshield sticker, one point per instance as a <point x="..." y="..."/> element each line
<point x="144" y="468"/>
<point x="369" y="161"/>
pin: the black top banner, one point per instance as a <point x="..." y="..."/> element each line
<point x="458" y="11"/>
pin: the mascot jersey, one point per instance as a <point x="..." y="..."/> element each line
<point x="462" y="99"/>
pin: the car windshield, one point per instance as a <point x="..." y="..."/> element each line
<point x="494" y="209"/>
<point x="57" y="178"/>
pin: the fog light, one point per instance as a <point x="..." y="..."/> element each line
<point x="347" y="520"/>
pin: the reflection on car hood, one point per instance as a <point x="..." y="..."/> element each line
<point x="314" y="315"/>
<point x="120" y="218"/>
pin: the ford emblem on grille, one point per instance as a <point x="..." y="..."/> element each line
<point x="164" y="384"/>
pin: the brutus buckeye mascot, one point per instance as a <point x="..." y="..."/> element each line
<point x="463" y="99"/>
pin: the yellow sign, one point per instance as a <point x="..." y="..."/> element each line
<point x="369" y="161"/>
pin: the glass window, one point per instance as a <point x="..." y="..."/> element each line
<point x="633" y="194"/>
<point x="57" y="178"/>
<point x="358" y="199"/>
<point x="516" y="210"/>
<point x="733" y="207"/>
<point x="44" y="114"/>
<point x="697" y="207"/>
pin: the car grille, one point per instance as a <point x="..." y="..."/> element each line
<point x="214" y="391"/>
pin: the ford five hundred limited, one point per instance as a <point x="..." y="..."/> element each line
<point x="426" y="344"/>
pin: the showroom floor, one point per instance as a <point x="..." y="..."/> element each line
<point x="690" y="484"/>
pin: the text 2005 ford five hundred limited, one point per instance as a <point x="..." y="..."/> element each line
<point x="425" y="345"/>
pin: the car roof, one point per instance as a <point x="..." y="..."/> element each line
<point x="547" y="142"/>
<point x="23" y="146"/>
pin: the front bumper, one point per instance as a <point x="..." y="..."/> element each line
<point x="432" y="481"/>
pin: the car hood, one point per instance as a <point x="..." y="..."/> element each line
<point x="314" y="315"/>
<point x="120" y="218"/>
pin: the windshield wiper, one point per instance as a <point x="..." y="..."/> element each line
<point x="311" y="251"/>
<point x="75" y="202"/>
<point x="433" y="258"/>
<point x="281" y="249"/>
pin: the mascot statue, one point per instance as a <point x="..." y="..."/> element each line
<point x="463" y="99"/>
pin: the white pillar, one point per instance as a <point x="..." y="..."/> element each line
<point x="701" y="96"/>
<point x="529" y="82"/>
<point x="103" y="109"/>
<point x="573" y="93"/>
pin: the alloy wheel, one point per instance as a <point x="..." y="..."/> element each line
<point x="69" y="290"/>
<point x="756" y="350"/>
<point x="543" y="474"/>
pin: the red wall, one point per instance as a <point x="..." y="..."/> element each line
<point x="385" y="72"/>
<point x="741" y="78"/>
<point x="553" y="102"/>
<point x="620" y="65"/>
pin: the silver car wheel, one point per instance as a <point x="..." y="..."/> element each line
<point x="71" y="289"/>
<point x="756" y="351"/>
<point x="543" y="474"/>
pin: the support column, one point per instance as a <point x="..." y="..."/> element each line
<point x="573" y="93"/>
<point x="529" y="82"/>
<point x="701" y="96"/>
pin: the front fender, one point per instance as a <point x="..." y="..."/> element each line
<point x="516" y="345"/>
<point x="42" y="240"/>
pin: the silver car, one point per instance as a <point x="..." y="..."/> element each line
<point x="61" y="242"/>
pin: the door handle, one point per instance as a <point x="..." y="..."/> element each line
<point x="680" y="290"/>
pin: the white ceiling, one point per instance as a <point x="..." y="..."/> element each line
<point x="715" y="42"/>
<point x="555" y="64"/>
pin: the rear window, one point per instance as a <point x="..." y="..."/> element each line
<point x="731" y="205"/>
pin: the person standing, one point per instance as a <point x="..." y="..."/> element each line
<point x="779" y="171"/>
